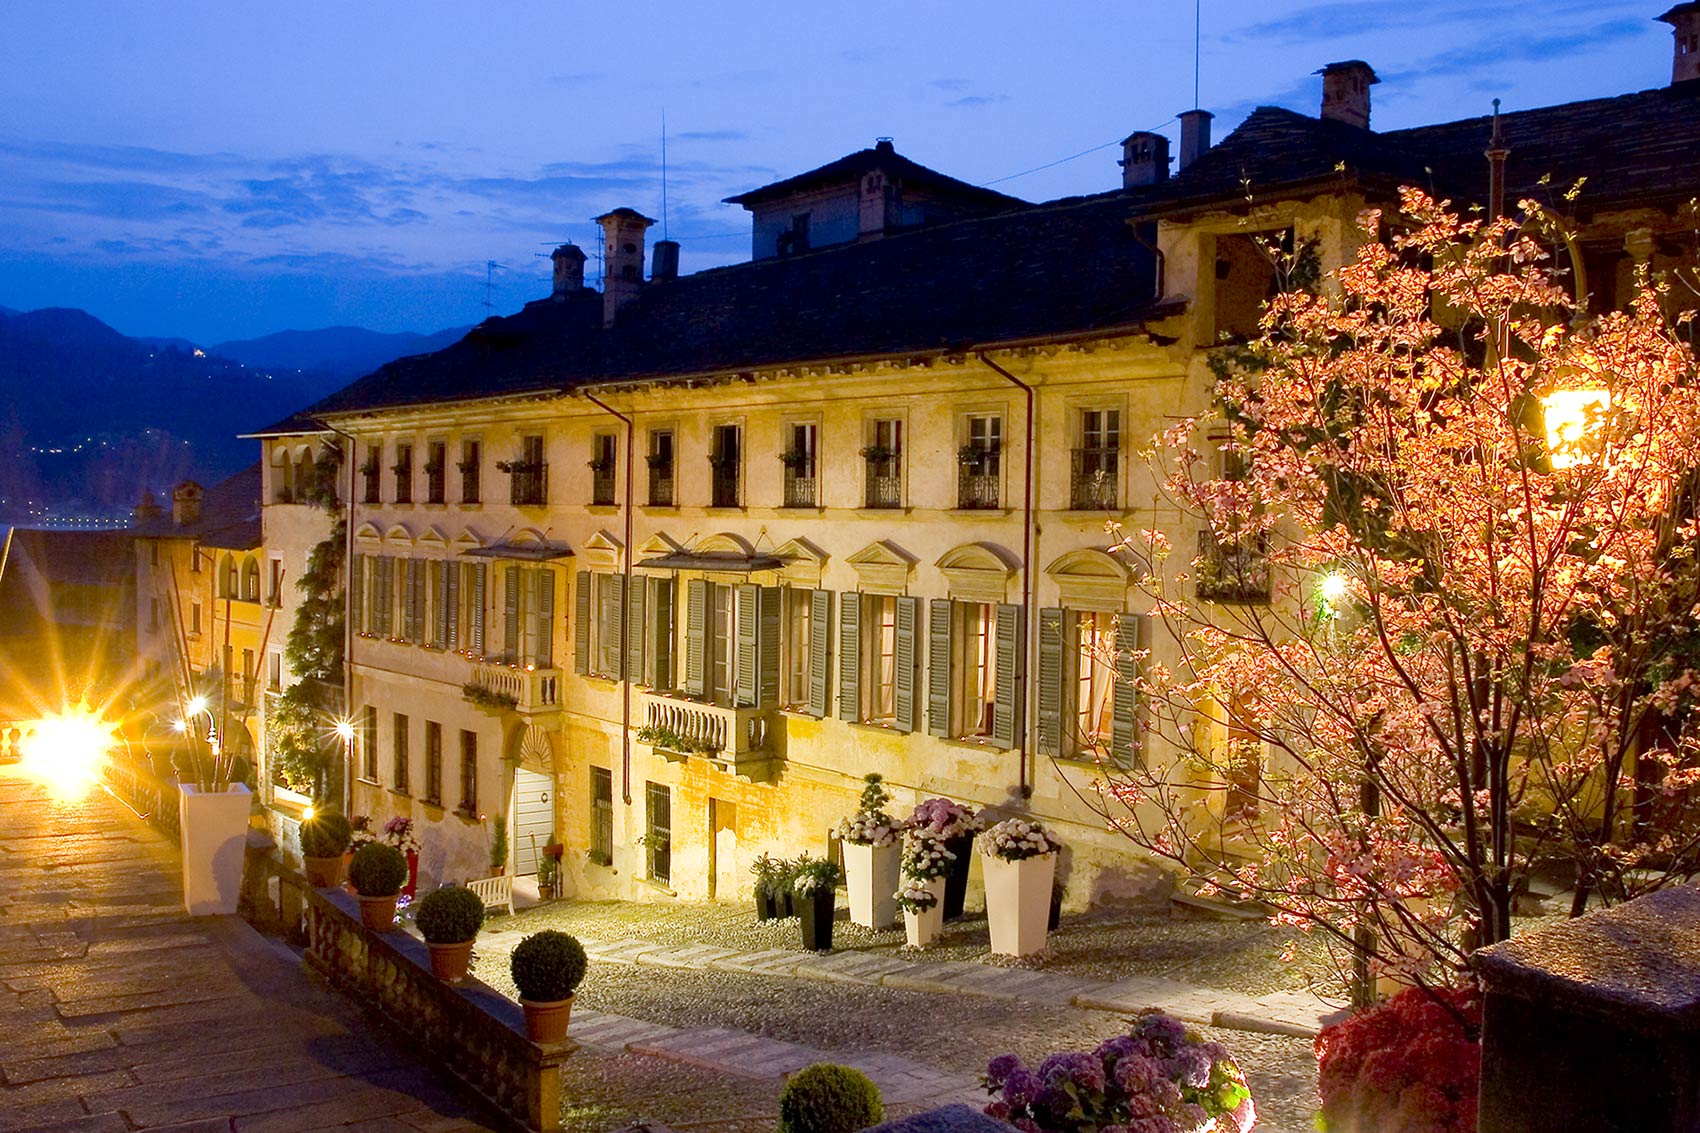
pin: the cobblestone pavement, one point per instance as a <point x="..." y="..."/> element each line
<point x="118" y="1012"/>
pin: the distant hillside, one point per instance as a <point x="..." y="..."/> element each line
<point x="346" y="352"/>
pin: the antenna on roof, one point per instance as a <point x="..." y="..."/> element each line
<point x="490" y="267"/>
<point x="1197" y="23"/>
<point x="664" y="173"/>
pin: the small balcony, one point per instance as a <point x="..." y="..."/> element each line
<point x="884" y="486"/>
<point x="602" y="485"/>
<point x="736" y="740"/>
<point x="1092" y="480"/>
<point x="976" y="489"/>
<point x="533" y="692"/>
<point x="528" y="484"/>
<point x="660" y="483"/>
<point x="724" y="485"/>
<point x="800" y="490"/>
<point x="1233" y="572"/>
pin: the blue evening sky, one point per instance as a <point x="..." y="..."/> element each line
<point x="227" y="169"/>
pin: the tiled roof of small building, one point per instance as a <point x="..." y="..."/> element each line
<point x="230" y="515"/>
<point x="883" y="156"/>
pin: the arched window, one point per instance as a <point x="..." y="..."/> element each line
<point x="251" y="580"/>
<point x="227" y="577"/>
<point x="303" y="476"/>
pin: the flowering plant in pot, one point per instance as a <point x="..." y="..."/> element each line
<point x="766" y="869"/>
<point x="1159" y="1075"/>
<point x="324" y="837"/>
<point x="871" y="851"/>
<point x="926" y="867"/>
<point x="815" y="884"/>
<point x="955" y="825"/>
<point x="449" y="919"/>
<point x="1020" y="863"/>
<point x="377" y="873"/>
<point x="547" y="968"/>
<point x="1411" y="1063"/>
<point x="398" y="832"/>
<point x="213" y="806"/>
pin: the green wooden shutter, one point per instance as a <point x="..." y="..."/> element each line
<point x="545" y="646"/>
<point x="820" y="650"/>
<point x="451" y="604"/>
<point x="440" y="618"/>
<point x="1124" y="697"/>
<point x="416" y="598"/>
<point x="696" y="635"/>
<point x="480" y="587"/>
<point x="938" y="667"/>
<point x="850" y="656"/>
<point x="581" y="623"/>
<point x="1051" y="638"/>
<point x="356" y="593"/>
<point x="609" y="621"/>
<point x="407" y="628"/>
<point x="635" y="635"/>
<point x="767" y="648"/>
<point x="661" y="634"/>
<point x="905" y="662"/>
<point x="1006" y="710"/>
<point x="510" y="613"/>
<point x="744" y="679"/>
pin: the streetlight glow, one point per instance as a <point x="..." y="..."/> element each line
<point x="1568" y="413"/>
<point x="64" y="753"/>
<point x="344" y="731"/>
<point x="197" y="705"/>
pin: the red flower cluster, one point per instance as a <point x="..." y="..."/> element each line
<point x="1409" y="1065"/>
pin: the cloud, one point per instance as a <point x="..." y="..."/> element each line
<point x="949" y="84"/>
<point x="973" y="100"/>
<point x="713" y="136"/>
<point x="576" y="78"/>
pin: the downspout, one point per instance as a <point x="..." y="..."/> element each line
<point x="625" y="622"/>
<point x="347" y="621"/>
<point x="1025" y="786"/>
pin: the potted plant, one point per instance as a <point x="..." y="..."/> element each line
<point x="554" y="848"/>
<point x="1020" y="864"/>
<point x="926" y="865"/>
<point x="449" y="919"/>
<point x="766" y="889"/>
<point x="814" y="886"/>
<point x="954" y="825"/>
<point x="398" y="832"/>
<point x="785" y="903"/>
<point x="212" y="817"/>
<point x="548" y="877"/>
<point x="828" y="1098"/>
<point x="498" y="845"/>
<point x="377" y="873"/>
<point x="547" y="968"/>
<point x="871" y="853"/>
<point x="324" y="839"/>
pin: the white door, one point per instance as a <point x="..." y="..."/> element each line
<point x="534" y="818"/>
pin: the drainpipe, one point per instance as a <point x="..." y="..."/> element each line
<point x="347" y="619"/>
<point x="625" y="622"/>
<point x="1026" y="786"/>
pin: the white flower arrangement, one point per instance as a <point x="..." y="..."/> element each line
<point x="915" y="897"/>
<point x="925" y="857"/>
<point x="869" y="829"/>
<point x="1014" y="839"/>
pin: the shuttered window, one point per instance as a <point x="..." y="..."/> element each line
<point x="510" y="615"/>
<point x="660" y="625"/>
<point x="1126" y="743"/>
<point x="794" y="634"/>
<point x="433" y="762"/>
<point x="744" y="600"/>
<point x="451" y="606"/>
<point x="369" y="744"/>
<point x="581" y="623"/>
<point x="402" y="771"/>
<point x="1008" y="704"/>
<point x="439" y="574"/>
<point x="939" y="682"/>
<point x="975" y="662"/>
<point x="905" y="654"/>
<point x="696" y="636"/>
<point x="1050" y="692"/>
<point x="636" y="601"/>
<point x="356" y="591"/>
<point x="476" y="601"/>
<point x="610" y="613"/>
<point x="850" y="656"/>
<point x="820" y="651"/>
<point x="540" y="643"/>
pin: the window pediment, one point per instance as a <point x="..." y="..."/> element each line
<point x="369" y="533"/>
<point x="978" y="572"/>
<point x="433" y="536"/>
<point x="1089" y="579"/>
<point x="804" y="563"/>
<point x="398" y="533"/>
<point x="602" y="551"/>
<point x="882" y="567"/>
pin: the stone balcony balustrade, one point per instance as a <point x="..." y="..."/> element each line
<point x="534" y="691"/>
<point x="737" y="740"/>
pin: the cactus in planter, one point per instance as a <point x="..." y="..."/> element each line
<point x="377" y="873"/>
<point x="449" y="919"/>
<point x="547" y="968"/>
<point x="828" y="1098"/>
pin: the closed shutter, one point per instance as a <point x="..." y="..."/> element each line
<point x="545" y="638"/>
<point x="451" y="604"/>
<point x="744" y="681"/>
<point x="480" y="587"/>
<point x="820" y="650"/>
<point x="356" y="593"/>
<point x="581" y="623"/>
<point x="634" y="640"/>
<point x="696" y="635"/>
<point x="613" y="616"/>
<point x="510" y="613"/>
<point x="406" y="568"/>
<point x="420" y="590"/>
<point x="1124" y="698"/>
<point x="661" y="634"/>
<point x="1006" y="712"/>
<point x="938" y="667"/>
<point x="905" y="662"/>
<point x="440" y="620"/>
<point x="850" y="656"/>
<point x="1051" y="637"/>
<point x="767" y="648"/>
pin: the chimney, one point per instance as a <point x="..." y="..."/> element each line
<point x="1145" y="159"/>
<point x="1684" y="20"/>
<point x="622" y="236"/>
<point x="664" y="265"/>
<point x="147" y="510"/>
<point x="880" y="199"/>
<point x="1195" y="136"/>
<point x="1345" y="92"/>
<point x="186" y="503"/>
<point x="569" y="271"/>
<point x="1496" y="153"/>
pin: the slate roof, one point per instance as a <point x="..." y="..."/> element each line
<point x="851" y="168"/>
<point x="230" y="515"/>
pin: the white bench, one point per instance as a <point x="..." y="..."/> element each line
<point x="495" y="892"/>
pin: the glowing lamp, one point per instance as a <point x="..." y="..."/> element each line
<point x="64" y="753"/>
<point x="1333" y="587"/>
<point x="344" y="731"/>
<point x="1568" y="414"/>
<point x="197" y="705"/>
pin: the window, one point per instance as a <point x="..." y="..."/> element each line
<point x="879" y="632"/>
<point x="467" y="634"/>
<point x="528" y="623"/>
<point x="1233" y="565"/>
<point x="1092" y="656"/>
<point x="469" y="772"/>
<point x="274" y="589"/>
<point x="227" y="577"/>
<point x="601" y="816"/>
<point x="979" y="462"/>
<point x="471" y="462"/>
<point x="660" y="461"/>
<point x="369" y="473"/>
<point x="884" y="456"/>
<point x="608" y="625"/>
<point x="1246" y="279"/>
<point x="403" y="469"/>
<point x="251" y="579"/>
<point x="433" y="762"/>
<point x="798" y="638"/>
<point x="401" y="769"/>
<point x="194" y="617"/>
<point x="248" y="674"/>
<point x="369" y="744"/>
<point x="801" y="464"/>
<point x="726" y="457"/>
<point x="530" y="474"/>
<point x="604" y="449"/>
<point x="274" y="671"/>
<point x="1088" y="697"/>
<point x="436" y="472"/>
<point x="975" y="668"/>
<point x="412" y="600"/>
<point x="1092" y="483"/>
<point x="195" y="559"/>
<point x="658" y="832"/>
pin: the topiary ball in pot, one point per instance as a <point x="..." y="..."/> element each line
<point x="547" y="968"/>
<point x="377" y="873"/>
<point x="828" y="1098"/>
<point x="324" y="838"/>
<point x="449" y="919"/>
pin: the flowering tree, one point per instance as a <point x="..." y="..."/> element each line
<point x="1439" y="630"/>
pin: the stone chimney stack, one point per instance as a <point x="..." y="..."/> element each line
<point x="622" y="236"/>
<point x="147" y="510"/>
<point x="569" y="271"/>
<point x="880" y="199"/>
<point x="186" y="503"/>
<point x="1684" y="20"/>
<point x="1195" y="135"/>
<point x="664" y="264"/>
<point x="1145" y="159"/>
<point x="1345" y="92"/>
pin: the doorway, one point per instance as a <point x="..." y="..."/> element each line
<point x="723" y="875"/>
<point x="534" y="818"/>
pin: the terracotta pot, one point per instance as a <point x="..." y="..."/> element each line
<point x="450" y="961"/>
<point x="547" y="1022"/>
<point x="1018" y="902"/>
<point x="324" y="873"/>
<point x="378" y="913"/>
<point x="871" y="874"/>
<point x="498" y="870"/>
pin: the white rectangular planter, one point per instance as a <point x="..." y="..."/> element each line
<point x="214" y="826"/>
<point x="923" y="928"/>
<point x="1018" y="902"/>
<point x="871" y="873"/>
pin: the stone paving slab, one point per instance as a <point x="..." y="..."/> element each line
<point x="691" y="956"/>
<point x="851" y="967"/>
<point x="948" y="976"/>
<point x="773" y="962"/>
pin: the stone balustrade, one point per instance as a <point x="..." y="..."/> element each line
<point x="735" y="739"/>
<point x="469" y="1029"/>
<point x="533" y="690"/>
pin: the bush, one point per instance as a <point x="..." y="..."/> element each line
<point x="325" y="835"/>
<point x="377" y="870"/>
<point x="827" y="1098"/>
<point x="547" y="966"/>
<point x="814" y="877"/>
<point x="451" y="915"/>
<point x="1410" y="1064"/>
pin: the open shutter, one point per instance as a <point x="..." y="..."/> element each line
<point x="850" y="656"/>
<point x="440" y="616"/>
<point x="510" y="613"/>
<point x="938" y="667"/>
<point x="634" y="642"/>
<point x="406" y="566"/>
<point x="696" y="635"/>
<point x="451" y="606"/>
<point x="661" y="634"/>
<point x="1050" y="681"/>
<point x="356" y="593"/>
<point x="745" y="677"/>
<point x="480" y="588"/>
<point x="767" y="648"/>
<point x="1006" y="711"/>
<point x="820" y="649"/>
<point x="1124" y="697"/>
<point x="612" y="617"/>
<point x="416" y="598"/>
<point x="545" y="635"/>
<point x="904" y="679"/>
<point x="581" y="623"/>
